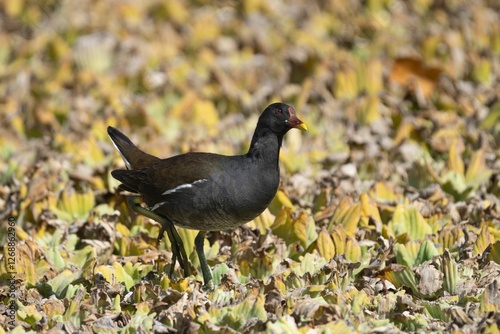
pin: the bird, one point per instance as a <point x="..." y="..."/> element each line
<point x="205" y="191"/>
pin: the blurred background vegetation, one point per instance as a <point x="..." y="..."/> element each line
<point x="394" y="187"/>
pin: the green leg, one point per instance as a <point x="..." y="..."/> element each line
<point x="205" y="269"/>
<point x="178" y="251"/>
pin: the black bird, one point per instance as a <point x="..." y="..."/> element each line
<point x="206" y="191"/>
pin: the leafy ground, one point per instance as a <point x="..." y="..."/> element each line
<point x="388" y="216"/>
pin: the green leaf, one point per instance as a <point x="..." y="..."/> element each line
<point x="400" y="275"/>
<point x="62" y="281"/>
<point x="74" y="206"/>
<point x="82" y="256"/>
<point x="29" y="314"/>
<point x="115" y="273"/>
<point x="54" y="257"/>
<point x="492" y="120"/>
<point x="427" y="252"/>
<point x="455" y="184"/>
<point x="310" y="263"/>
<point x="285" y="324"/>
<point x="449" y="267"/>
<point x="139" y="323"/>
<point x="218" y="272"/>
<point x="437" y="310"/>
<point x="236" y="316"/>
<point x="409" y="220"/>
<point x="495" y="252"/>
<point x="403" y="256"/>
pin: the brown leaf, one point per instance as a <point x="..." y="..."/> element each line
<point x="412" y="72"/>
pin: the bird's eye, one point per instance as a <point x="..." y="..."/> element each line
<point x="278" y="111"/>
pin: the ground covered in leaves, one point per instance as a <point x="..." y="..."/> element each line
<point x="387" y="218"/>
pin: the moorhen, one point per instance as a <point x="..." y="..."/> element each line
<point x="206" y="191"/>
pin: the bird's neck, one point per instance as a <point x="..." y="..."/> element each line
<point x="265" y="146"/>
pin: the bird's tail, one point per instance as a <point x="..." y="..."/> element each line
<point x="133" y="157"/>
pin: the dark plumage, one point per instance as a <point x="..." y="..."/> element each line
<point x="206" y="191"/>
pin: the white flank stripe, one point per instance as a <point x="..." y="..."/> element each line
<point x="183" y="186"/>
<point x="157" y="206"/>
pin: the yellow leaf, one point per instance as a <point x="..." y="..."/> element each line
<point x="368" y="210"/>
<point x="27" y="254"/>
<point x="404" y="132"/>
<point x="293" y="160"/>
<point x="484" y="239"/>
<point x="143" y="307"/>
<point x="455" y="162"/>
<point x="116" y="303"/>
<point x="74" y="206"/>
<point x="289" y="229"/>
<point x="203" y="29"/>
<point x="122" y="230"/>
<point x="477" y="171"/>
<point x="369" y="110"/>
<point x="489" y="298"/>
<point x="188" y="237"/>
<point x="14" y="8"/>
<point x="339" y="237"/>
<point x="359" y="300"/>
<point x="372" y="77"/>
<point x="279" y="201"/>
<point x="21" y="234"/>
<point x="413" y="248"/>
<point x="352" y="250"/>
<point x="262" y="222"/>
<point x="449" y="235"/>
<point x="181" y="285"/>
<point x="347" y="214"/>
<point x="339" y="326"/>
<point x="325" y="245"/>
<point x="346" y="85"/>
<point x="206" y="114"/>
<point x="383" y="192"/>
<point x="176" y="11"/>
<point x="482" y="72"/>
